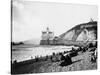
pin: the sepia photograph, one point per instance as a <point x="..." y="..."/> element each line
<point x="53" y="37"/>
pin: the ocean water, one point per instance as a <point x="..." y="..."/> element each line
<point x="25" y="53"/>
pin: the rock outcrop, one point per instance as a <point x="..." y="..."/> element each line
<point x="83" y="33"/>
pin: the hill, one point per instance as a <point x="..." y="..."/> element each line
<point x="80" y="33"/>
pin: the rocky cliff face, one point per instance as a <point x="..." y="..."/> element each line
<point x="82" y="32"/>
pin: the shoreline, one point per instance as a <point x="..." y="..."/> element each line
<point x="21" y="54"/>
<point x="42" y="65"/>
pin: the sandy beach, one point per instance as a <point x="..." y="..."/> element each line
<point x="80" y="62"/>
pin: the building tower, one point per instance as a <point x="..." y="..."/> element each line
<point x="47" y="36"/>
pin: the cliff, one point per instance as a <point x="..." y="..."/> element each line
<point x="80" y="33"/>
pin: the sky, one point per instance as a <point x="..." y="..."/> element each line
<point x="30" y="18"/>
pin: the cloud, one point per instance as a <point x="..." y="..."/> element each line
<point x="30" y="18"/>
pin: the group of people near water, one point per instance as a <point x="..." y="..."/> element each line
<point x="66" y="56"/>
